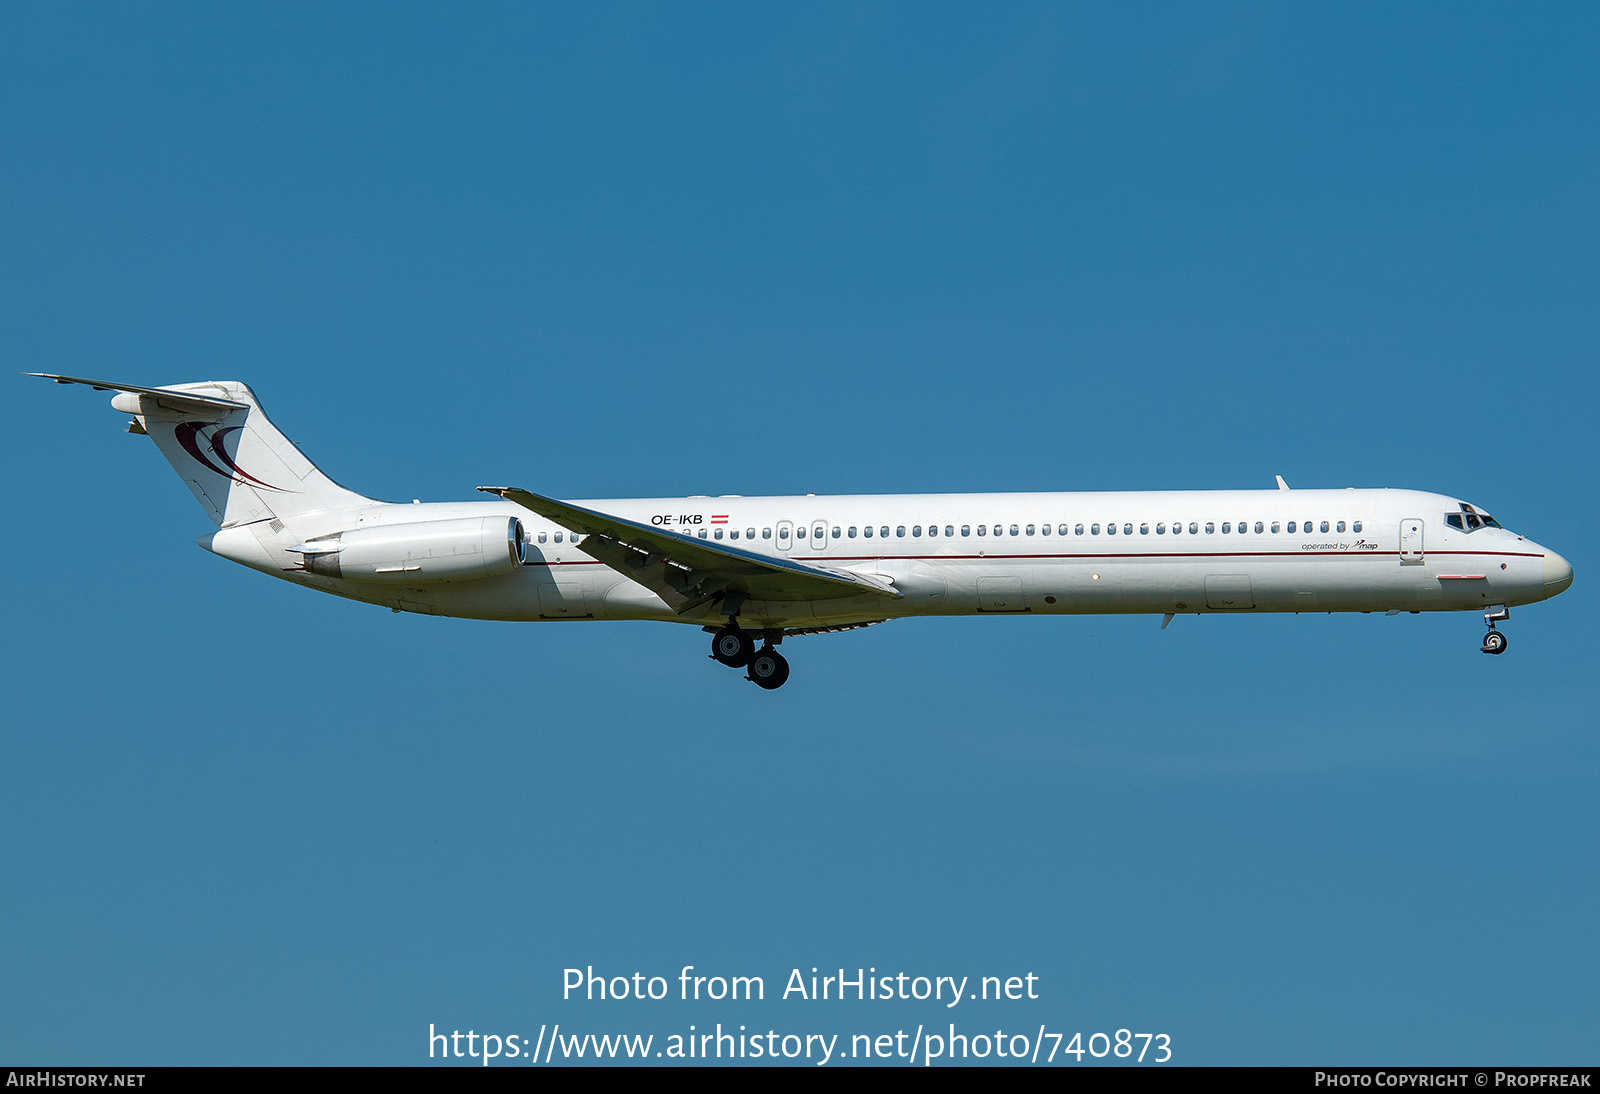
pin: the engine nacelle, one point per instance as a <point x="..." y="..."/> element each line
<point x="437" y="550"/>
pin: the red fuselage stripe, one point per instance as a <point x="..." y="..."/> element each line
<point x="1170" y="554"/>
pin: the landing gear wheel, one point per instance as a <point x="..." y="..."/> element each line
<point x="1494" y="642"/>
<point x="732" y="647"/>
<point x="768" y="668"/>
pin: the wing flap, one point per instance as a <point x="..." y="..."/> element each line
<point x="689" y="572"/>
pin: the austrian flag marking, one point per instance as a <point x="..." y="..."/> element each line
<point x="719" y="518"/>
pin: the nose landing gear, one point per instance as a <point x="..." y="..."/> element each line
<point x="1495" y="641"/>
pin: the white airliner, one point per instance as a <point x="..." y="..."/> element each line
<point x="767" y="568"/>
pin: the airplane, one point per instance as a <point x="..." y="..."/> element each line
<point x="770" y="568"/>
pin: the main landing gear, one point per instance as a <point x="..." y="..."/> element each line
<point x="733" y="647"/>
<point x="767" y="668"/>
<point x="1495" y="641"/>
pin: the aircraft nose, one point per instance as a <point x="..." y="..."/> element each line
<point x="1557" y="574"/>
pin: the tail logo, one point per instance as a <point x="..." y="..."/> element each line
<point x="192" y="434"/>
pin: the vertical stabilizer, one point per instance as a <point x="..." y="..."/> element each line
<point x="218" y="439"/>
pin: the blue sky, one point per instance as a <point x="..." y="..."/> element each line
<point x="637" y="250"/>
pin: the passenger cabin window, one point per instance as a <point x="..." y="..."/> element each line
<point x="837" y="530"/>
<point x="1341" y="526"/>
<point x="1356" y="527"/>
<point x="1127" y="529"/>
<point x="966" y="529"/>
<point x="981" y="529"/>
<point x="1077" y="529"/>
<point x="1274" y="527"/>
<point x="949" y="529"/>
<point x="867" y="531"/>
<point x="1324" y="526"/>
<point x="1094" y="529"/>
<point x="1258" y="528"/>
<point x="1211" y="528"/>
<point x="766" y="533"/>
<point x="883" y="532"/>
<point x="901" y="531"/>
<point x="1194" y="528"/>
<point x="1161" y="529"/>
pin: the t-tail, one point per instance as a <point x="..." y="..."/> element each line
<point x="218" y="439"/>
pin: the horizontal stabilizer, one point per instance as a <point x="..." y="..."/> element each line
<point x="167" y="395"/>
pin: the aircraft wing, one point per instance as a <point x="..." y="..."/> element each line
<point x="687" y="572"/>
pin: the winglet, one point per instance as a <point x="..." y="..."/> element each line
<point x="1281" y="484"/>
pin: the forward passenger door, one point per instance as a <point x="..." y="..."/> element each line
<point x="1411" y="541"/>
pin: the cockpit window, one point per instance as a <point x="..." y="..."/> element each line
<point x="1470" y="519"/>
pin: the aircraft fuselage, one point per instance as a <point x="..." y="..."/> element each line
<point x="978" y="554"/>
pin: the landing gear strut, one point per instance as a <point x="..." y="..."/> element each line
<point x="1495" y="641"/>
